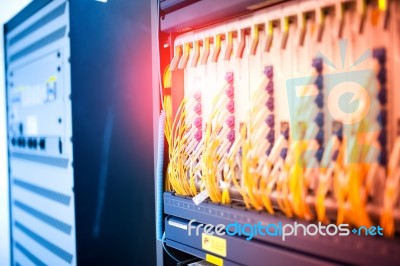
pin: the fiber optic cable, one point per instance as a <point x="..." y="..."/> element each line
<point x="160" y="179"/>
<point x="268" y="179"/>
<point x="234" y="162"/>
<point x="167" y="251"/>
<point x="247" y="164"/>
<point x="259" y="121"/>
<point x="177" y="170"/>
<point x="326" y="174"/>
<point x="209" y="159"/>
<point x="209" y="156"/>
<point x="340" y="182"/>
<point x="270" y="183"/>
<point x="194" y="136"/>
<point x="291" y="182"/>
<point x="350" y="185"/>
<point x="167" y="131"/>
<point x="358" y="173"/>
<point x="296" y="182"/>
<point x="282" y="184"/>
<point x="391" y="192"/>
<point x="219" y="138"/>
<point x="230" y="172"/>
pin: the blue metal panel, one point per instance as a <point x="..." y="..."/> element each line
<point x="372" y="250"/>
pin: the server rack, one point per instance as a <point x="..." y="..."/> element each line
<point x="80" y="133"/>
<point x="176" y="18"/>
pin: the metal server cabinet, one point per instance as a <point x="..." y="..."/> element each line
<point x="180" y="17"/>
<point x="80" y="133"/>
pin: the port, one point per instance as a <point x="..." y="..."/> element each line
<point x="42" y="143"/>
<point x="29" y="143"/>
<point x="34" y="143"/>
<point x="60" y="148"/>
<point x="21" y="142"/>
<point x="21" y="128"/>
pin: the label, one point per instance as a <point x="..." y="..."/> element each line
<point x="214" y="260"/>
<point x="31" y="125"/>
<point x="202" y="196"/>
<point x="214" y="244"/>
<point x="175" y="224"/>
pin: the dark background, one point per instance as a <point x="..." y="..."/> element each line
<point x="112" y="132"/>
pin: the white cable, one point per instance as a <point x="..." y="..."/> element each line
<point x="158" y="54"/>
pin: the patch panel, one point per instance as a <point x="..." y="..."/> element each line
<point x="281" y="21"/>
<point x="315" y="119"/>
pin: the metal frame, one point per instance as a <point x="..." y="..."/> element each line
<point x="103" y="58"/>
<point x="351" y="249"/>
